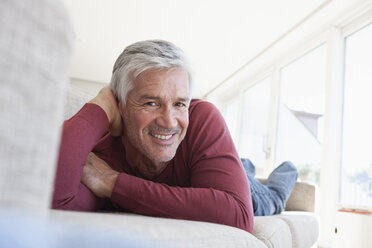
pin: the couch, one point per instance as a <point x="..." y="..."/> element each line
<point x="36" y="44"/>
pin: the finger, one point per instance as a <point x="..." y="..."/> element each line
<point x="99" y="164"/>
<point x="86" y="175"/>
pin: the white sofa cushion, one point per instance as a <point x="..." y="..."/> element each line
<point x="75" y="100"/>
<point x="174" y="233"/>
<point x="272" y="231"/>
<point x="296" y="229"/>
<point x="303" y="227"/>
<point x="35" y="49"/>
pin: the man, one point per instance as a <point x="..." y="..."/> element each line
<point x="165" y="154"/>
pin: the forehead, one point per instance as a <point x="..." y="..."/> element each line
<point x="163" y="82"/>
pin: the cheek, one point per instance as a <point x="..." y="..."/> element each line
<point x="184" y="122"/>
<point x="142" y="120"/>
<point x="132" y="122"/>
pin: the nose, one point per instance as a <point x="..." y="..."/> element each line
<point x="167" y="118"/>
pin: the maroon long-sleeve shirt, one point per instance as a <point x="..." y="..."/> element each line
<point x="205" y="181"/>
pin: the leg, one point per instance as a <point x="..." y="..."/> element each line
<point x="270" y="198"/>
<point x="281" y="182"/>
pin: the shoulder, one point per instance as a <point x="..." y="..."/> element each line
<point x="205" y="122"/>
<point x="207" y="134"/>
<point x="200" y="106"/>
<point x="201" y="110"/>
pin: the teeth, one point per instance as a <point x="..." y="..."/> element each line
<point x="163" y="137"/>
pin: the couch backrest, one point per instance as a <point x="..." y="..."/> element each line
<point x="36" y="42"/>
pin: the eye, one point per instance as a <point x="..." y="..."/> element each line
<point x="151" y="104"/>
<point x="181" y="105"/>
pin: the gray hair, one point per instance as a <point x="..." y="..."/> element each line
<point x="142" y="56"/>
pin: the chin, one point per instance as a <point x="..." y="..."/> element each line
<point x="162" y="158"/>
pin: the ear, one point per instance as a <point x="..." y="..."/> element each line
<point x="121" y="109"/>
<point x="121" y="112"/>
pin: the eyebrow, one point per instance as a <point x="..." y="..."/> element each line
<point x="146" y="97"/>
<point x="149" y="97"/>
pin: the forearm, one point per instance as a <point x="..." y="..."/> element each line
<point x="79" y="136"/>
<point x="201" y="204"/>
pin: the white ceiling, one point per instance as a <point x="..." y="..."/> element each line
<point x="219" y="36"/>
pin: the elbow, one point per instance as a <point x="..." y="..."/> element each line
<point x="88" y="204"/>
<point x="65" y="204"/>
<point x="249" y="226"/>
<point x="237" y="213"/>
<point x="245" y="220"/>
<point x="244" y="217"/>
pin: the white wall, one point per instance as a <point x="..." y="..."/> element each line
<point x="353" y="230"/>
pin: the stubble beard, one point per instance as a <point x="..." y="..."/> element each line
<point x="147" y="149"/>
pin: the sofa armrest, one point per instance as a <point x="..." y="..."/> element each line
<point x="302" y="197"/>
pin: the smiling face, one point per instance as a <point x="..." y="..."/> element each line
<point x="156" y="114"/>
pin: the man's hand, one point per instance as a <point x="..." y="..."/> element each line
<point x="98" y="176"/>
<point x="107" y="101"/>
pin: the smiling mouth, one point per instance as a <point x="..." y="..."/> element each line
<point x="162" y="137"/>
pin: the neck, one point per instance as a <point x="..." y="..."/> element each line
<point x="141" y="165"/>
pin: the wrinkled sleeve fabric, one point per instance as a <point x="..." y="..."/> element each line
<point x="219" y="191"/>
<point x="79" y="135"/>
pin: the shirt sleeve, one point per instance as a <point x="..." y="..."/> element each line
<point x="219" y="191"/>
<point x="79" y="135"/>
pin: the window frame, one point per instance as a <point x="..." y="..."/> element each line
<point x="347" y="30"/>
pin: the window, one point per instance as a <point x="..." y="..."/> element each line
<point x="300" y="113"/>
<point x="356" y="172"/>
<point x="230" y="115"/>
<point x="254" y="124"/>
